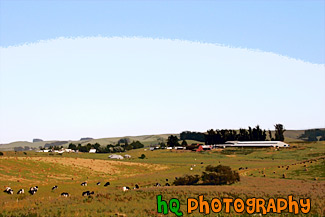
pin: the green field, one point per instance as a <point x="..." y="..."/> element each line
<point x="262" y="178"/>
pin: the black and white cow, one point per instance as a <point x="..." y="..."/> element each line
<point x="54" y="187"/>
<point x="125" y="188"/>
<point x="98" y="183"/>
<point x="167" y="184"/>
<point x="9" y="190"/>
<point x="84" y="184"/>
<point x="87" y="193"/>
<point x="107" y="184"/>
<point x="136" y="186"/>
<point x="33" y="190"/>
<point x="157" y="184"/>
<point x="65" y="194"/>
<point x="21" y="191"/>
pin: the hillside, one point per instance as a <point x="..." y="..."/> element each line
<point x="147" y="140"/>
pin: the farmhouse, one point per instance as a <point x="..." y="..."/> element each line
<point x="253" y="144"/>
<point x="92" y="150"/>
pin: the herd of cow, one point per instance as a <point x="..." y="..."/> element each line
<point x="34" y="189"/>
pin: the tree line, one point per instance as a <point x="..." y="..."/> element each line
<point x="119" y="147"/>
<point x="313" y="135"/>
<point x="222" y="136"/>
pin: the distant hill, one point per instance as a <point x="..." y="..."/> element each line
<point x="147" y="140"/>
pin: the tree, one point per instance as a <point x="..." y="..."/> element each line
<point x="72" y="146"/>
<point x="184" y="143"/>
<point x="279" y="130"/>
<point x="270" y="135"/>
<point x="172" y="141"/>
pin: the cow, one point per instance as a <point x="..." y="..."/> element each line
<point x="84" y="184"/>
<point x="167" y="184"/>
<point x="9" y="190"/>
<point x="65" y="194"/>
<point x="54" y="187"/>
<point x="136" y="186"/>
<point x="33" y="190"/>
<point x="21" y="191"/>
<point x="87" y="193"/>
<point x="125" y="188"/>
<point x="107" y="184"/>
<point x="98" y="183"/>
<point x="157" y="184"/>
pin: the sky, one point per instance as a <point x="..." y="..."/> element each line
<point x="72" y="69"/>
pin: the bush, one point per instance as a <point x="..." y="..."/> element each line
<point x="187" y="180"/>
<point x="219" y="175"/>
<point x="142" y="156"/>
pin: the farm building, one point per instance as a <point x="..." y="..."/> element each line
<point x="253" y="144"/>
<point x="92" y="150"/>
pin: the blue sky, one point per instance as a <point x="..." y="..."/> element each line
<point x="71" y="69"/>
<point x="290" y="28"/>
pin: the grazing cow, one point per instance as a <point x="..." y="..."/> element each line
<point x="166" y="180"/>
<point x="65" y="194"/>
<point x="107" y="184"/>
<point x="33" y="190"/>
<point x="273" y="172"/>
<point x="136" y="186"/>
<point x="84" y="184"/>
<point x="201" y="162"/>
<point x="157" y="184"/>
<point x="87" y="193"/>
<point x="125" y="188"/>
<point x="98" y="183"/>
<point x="284" y="176"/>
<point x="21" y="191"/>
<point x="167" y="184"/>
<point x="54" y="187"/>
<point x="9" y="190"/>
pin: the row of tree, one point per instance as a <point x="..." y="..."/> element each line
<point x="221" y="136"/>
<point x="313" y="135"/>
<point x="120" y="147"/>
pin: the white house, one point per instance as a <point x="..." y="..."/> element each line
<point x="92" y="150"/>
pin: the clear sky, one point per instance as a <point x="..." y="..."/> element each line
<point x="71" y="69"/>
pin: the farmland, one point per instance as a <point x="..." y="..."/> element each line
<point x="303" y="165"/>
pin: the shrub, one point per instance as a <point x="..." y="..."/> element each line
<point x="219" y="175"/>
<point x="143" y="156"/>
<point x="187" y="180"/>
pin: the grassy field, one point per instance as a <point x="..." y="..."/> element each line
<point x="304" y="178"/>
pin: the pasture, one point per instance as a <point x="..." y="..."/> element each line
<point x="303" y="165"/>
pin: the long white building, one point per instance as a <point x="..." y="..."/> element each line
<point x="254" y="144"/>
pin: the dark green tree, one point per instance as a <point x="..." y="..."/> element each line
<point x="279" y="132"/>
<point x="184" y="143"/>
<point x="172" y="141"/>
